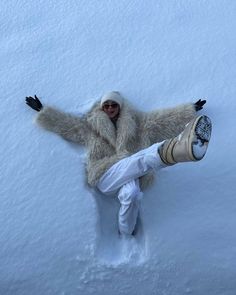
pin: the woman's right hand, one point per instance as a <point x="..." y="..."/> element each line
<point x="34" y="103"/>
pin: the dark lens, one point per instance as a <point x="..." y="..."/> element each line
<point x="106" y="106"/>
<point x="113" y="105"/>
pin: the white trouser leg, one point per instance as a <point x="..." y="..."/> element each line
<point x="129" y="196"/>
<point x="130" y="168"/>
<point x="123" y="176"/>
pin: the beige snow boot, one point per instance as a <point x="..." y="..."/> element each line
<point x="190" y="145"/>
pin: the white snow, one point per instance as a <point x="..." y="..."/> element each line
<point x="57" y="236"/>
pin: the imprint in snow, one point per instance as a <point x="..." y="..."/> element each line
<point x="113" y="248"/>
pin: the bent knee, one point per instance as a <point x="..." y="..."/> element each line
<point x="130" y="197"/>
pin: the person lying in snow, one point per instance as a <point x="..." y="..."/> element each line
<point x="127" y="146"/>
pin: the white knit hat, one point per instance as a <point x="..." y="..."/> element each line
<point x="114" y="96"/>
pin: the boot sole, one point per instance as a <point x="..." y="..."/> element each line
<point x="201" y="136"/>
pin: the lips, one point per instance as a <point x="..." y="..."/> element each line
<point x="111" y="114"/>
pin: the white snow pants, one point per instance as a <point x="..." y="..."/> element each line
<point x="123" y="178"/>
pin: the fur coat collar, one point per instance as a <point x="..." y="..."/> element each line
<point x="119" y="136"/>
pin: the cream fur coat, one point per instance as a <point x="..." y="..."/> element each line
<point x="106" y="144"/>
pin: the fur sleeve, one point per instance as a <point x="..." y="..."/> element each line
<point x="69" y="127"/>
<point x="166" y="123"/>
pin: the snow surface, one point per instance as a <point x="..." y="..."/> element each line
<point x="59" y="237"/>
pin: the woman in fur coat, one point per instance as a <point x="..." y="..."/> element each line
<point x="126" y="147"/>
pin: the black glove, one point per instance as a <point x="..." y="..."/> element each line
<point x="34" y="103"/>
<point x="199" y="104"/>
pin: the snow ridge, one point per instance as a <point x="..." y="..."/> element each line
<point x="113" y="248"/>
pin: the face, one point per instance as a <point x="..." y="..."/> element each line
<point x="111" y="108"/>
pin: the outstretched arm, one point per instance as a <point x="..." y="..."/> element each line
<point x="69" y="127"/>
<point x="166" y="123"/>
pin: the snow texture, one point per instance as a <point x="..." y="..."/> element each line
<point x="58" y="236"/>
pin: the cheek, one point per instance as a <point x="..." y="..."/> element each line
<point x="106" y="111"/>
<point x="117" y="111"/>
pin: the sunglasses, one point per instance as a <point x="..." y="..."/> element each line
<point x="112" y="105"/>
